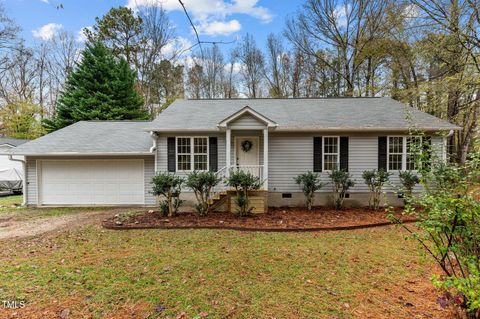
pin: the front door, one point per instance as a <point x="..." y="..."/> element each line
<point x="247" y="154"/>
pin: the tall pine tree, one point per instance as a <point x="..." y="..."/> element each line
<point x="100" y="88"/>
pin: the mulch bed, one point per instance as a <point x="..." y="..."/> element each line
<point x="276" y="219"/>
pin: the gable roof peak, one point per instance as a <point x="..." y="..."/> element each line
<point x="246" y="110"/>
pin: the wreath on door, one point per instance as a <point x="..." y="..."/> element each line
<point x="247" y="146"/>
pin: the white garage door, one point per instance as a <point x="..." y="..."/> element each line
<point x="91" y="182"/>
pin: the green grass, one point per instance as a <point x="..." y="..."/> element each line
<point x="7" y="207"/>
<point x="223" y="273"/>
<point x="11" y="200"/>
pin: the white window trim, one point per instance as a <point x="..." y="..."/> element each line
<point x="404" y="152"/>
<point x="324" y="153"/>
<point x="192" y="153"/>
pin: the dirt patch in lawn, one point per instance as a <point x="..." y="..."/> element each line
<point x="10" y="227"/>
<point x="276" y="219"/>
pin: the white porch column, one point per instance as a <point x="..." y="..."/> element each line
<point x="229" y="152"/>
<point x="265" y="158"/>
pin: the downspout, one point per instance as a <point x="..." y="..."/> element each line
<point x="24" y="182"/>
<point x="445" y="145"/>
<point x="153" y="149"/>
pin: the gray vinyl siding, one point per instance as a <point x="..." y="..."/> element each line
<point x="149" y="172"/>
<point x="31" y="181"/>
<point x="291" y="155"/>
<point x="247" y="121"/>
<point x="362" y="155"/>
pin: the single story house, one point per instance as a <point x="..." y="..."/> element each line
<point x="113" y="162"/>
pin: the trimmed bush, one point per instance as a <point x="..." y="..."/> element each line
<point x="375" y="181"/>
<point x="243" y="182"/>
<point x="202" y="183"/>
<point x="169" y="186"/>
<point x="341" y="183"/>
<point x="408" y="180"/>
<point x="309" y="183"/>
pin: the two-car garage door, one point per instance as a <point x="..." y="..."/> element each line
<point x="91" y="182"/>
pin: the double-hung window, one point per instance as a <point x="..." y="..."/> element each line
<point x="331" y="153"/>
<point x="192" y="153"/>
<point x="395" y="153"/>
<point x="403" y="152"/>
<point x="414" y="149"/>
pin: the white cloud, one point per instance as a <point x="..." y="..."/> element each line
<point x="340" y="14"/>
<point x="411" y="11"/>
<point x="45" y="1"/>
<point x="81" y="34"/>
<point x="237" y="67"/>
<point x="179" y="46"/>
<point x="47" y="32"/>
<point x="219" y="27"/>
<point x="211" y="15"/>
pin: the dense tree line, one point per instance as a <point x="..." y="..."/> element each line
<point x="423" y="53"/>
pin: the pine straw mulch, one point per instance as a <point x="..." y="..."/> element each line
<point x="276" y="219"/>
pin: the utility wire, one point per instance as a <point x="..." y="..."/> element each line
<point x="199" y="42"/>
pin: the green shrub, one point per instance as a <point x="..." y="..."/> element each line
<point x="243" y="182"/>
<point x="169" y="186"/>
<point x="448" y="228"/>
<point x="341" y="183"/>
<point x="375" y="181"/>
<point x="309" y="183"/>
<point x="408" y="179"/>
<point x="202" y="184"/>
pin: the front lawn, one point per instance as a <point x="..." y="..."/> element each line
<point x="8" y="201"/>
<point x="100" y="273"/>
<point x="10" y="205"/>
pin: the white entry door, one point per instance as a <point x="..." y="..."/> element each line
<point x="247" y="159"/>
<point x="91" y="182"/>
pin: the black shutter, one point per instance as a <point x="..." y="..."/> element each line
<point x="213" y="153"/>
<point x="427" y="151"/>
<point x="382" y="152"/>
<point x="317" y="154"/>
<point x="344" y="153"/>
<point x="171" y="154"/>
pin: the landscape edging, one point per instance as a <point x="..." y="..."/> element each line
<point x="251" y="229"/>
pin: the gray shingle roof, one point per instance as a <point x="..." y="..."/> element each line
<point x="92" y="137"/>
<point x="130" y="137"/>
<point x="300" y="114"/>
<point x="12" y="141"/>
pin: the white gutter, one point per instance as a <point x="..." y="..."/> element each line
<point x="307" y="130"/>
<point x="153" y="149"/>
<point x="445" y="145"/>
<point x="24" y="183"/>
<point x="154" y="138"/>
<point x="84" y="154"/>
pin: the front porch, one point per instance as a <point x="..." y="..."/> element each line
<point x="246" y="149"/>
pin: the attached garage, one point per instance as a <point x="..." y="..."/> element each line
<point x="91" y="182"/>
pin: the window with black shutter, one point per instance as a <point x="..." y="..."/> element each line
<point x="171" y="165"/>
<point x="317" y="154"/>
<point x="382" y="152"/>
<point x="344" y="153"/>
<point x="213" y="153"/>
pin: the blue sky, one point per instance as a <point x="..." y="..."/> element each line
<point x="217" y="20"/>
